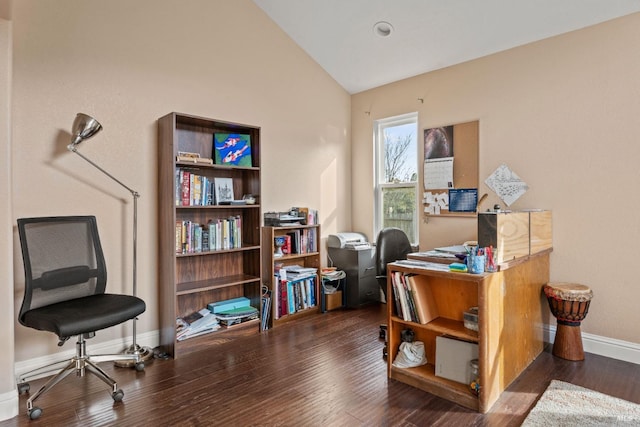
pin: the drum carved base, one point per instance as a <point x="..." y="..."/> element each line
<point x="568" y="343"/>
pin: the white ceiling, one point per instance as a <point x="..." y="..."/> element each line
<point x="427" y="34"/>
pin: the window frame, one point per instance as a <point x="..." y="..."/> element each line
<point x="378" y="170"/>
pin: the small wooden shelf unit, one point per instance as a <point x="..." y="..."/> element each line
<point x="308" y="259"/>
<point x="509" y="335"/>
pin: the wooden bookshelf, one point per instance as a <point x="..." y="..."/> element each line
<point x="307" y="258"/>
<point x="189" y="281"/>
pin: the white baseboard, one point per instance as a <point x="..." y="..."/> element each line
<point x="8" y="404"/>
<point x="602" y="346"/>
<point x="148" y="339"/>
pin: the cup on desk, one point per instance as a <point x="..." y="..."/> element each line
<point x="476" y="263"/>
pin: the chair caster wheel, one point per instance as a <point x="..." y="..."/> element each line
<point x="383" y="332"/>
<point x="23" y="388"/>
<point x="118" y="395"/>
<point x="34" y="413"/>
<point x="139" y="366"/>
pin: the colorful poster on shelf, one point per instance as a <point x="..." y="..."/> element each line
<point x="232" y="149"/>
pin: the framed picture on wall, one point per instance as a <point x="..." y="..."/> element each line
<point x="438" y="142"/>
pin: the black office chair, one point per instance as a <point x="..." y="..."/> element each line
<point x="65" y="280"/>
<point x="392" y="244"/>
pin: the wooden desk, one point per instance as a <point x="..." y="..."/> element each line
<point x="509" y="336"/>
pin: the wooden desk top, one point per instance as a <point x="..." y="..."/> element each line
<point x="420" y="256"/>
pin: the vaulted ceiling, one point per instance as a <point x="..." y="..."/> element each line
<point x="424" y="35"/>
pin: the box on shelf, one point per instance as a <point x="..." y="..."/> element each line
<point x="333" y="301"/>
<point x="515" y="234"/>
<point x="470" y="318"/>
<point x="453" y="357"/>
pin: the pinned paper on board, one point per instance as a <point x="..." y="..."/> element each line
<point x="435" y="202"/>
<point x="438" y="173"/>
<point x="506" y="184"/>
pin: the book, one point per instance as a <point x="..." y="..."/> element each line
<point x="185" y="185"/>
<point x="399" y="287"/>
<point x="425" y="303"/>
<point x="232" y="149"/>
<point x="230" y="323"/>
<point x="196" y="190"/>
<point x="228" y="304"/>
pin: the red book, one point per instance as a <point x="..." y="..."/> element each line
<point x="286" y="248"/>
<point x="185" y="184"/>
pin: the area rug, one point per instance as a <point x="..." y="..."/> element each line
<point x="564" y="404"/>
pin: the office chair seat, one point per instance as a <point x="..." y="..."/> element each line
<point x="83" y="315"/>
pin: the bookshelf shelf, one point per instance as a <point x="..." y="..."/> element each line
<point x="190" y="274"/>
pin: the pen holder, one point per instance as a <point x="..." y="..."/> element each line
<point x="476" y="264"/>
<point x="490" y="265"/>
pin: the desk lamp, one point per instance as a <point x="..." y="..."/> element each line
<point x="84" y="127"/>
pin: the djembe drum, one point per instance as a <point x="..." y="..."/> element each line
<point x="569" y="303"/>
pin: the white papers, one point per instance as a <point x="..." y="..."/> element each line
<point x="435" y="202"/>
<point x="438" y="173"/>
<point x="506" y="184"/>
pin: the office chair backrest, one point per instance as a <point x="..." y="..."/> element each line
<point x="392" y="244"/>
<point x="62" y="258"/>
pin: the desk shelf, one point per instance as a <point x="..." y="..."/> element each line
<point x="509" y="337"/>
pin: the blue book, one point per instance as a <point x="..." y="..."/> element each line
<point x="230" y="304"/>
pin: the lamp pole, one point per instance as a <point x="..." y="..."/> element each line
<point x="91" y="127"/>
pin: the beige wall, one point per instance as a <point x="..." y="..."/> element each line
<point x="563" y="113"/>
<point x="8" y="396"/>
<point x="129" y="63"/>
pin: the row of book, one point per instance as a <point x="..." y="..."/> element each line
<point x="413" y="299"/>
<point x="221" y="314"/>
<point x="218" y="234"/>
<point x="294" y="292"/>
<point x="193" y="189"/>
<point x="300" y="241"/>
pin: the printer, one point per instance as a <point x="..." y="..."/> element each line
<point x="348" y="240"/>
<point x="353" y="254"/>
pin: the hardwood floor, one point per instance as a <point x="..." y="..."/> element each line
<point x="325" y="370"/>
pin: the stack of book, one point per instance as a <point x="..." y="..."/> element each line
<point x="234" y="311"/>
<point x="196" y="324"/>
<point x="295" y="289"/>
<point x="237" y="316"/>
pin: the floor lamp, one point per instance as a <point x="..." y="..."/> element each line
<point x="84" y="127"/>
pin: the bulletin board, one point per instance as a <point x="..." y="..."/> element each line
<point x="450" y="155"/>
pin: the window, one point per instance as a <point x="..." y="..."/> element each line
<point x="396" y="174"/>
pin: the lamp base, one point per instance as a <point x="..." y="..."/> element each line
<point x="145" y="353"/>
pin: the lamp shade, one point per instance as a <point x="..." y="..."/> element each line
<point x="84" y="127"/>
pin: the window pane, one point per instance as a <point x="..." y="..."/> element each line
<point x="400" y="154"/>
<point x="399" y="209"/>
